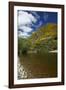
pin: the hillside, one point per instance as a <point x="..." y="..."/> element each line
<point x="42" y="40"/>
<point x="45" y="37"/>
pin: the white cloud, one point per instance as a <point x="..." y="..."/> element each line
<point x="23" y="34"/>
<point x="35" y="14"/>
<point x="25" y="29"/>
<point x="39" y="24"/>
<point x="25" y="18"/>
<point x="45" y="16"/>
<point x="25" y="21"/>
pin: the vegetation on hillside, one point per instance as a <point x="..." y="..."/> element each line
<point x="42" y="40"/>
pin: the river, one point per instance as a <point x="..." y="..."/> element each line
<point x="37" y="66"/>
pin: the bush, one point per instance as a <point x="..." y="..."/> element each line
<point x="23" y="46"/>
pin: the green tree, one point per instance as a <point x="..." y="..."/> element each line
<point x="23" y="46"/>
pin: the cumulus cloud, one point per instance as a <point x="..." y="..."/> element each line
<point x="39" y="24"/>
<point x="25" y="21"/>
<point x="35" y="14"/>
<point x="23" y="34"/>
<point x="25" y="29"/>
<point x="25" y="18"/>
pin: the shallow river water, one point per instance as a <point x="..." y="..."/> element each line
<point x="37" y="66"/>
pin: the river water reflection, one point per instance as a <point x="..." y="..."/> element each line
<point x="37" y="66"/>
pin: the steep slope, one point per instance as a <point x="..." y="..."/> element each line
<point x="45" y="37"/>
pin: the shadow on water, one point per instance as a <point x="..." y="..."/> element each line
<point x="37" y="66"/>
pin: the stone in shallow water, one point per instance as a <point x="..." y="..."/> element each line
<point x="21" y="71"/>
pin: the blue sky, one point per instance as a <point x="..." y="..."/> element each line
<point x="30" y="21"/>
